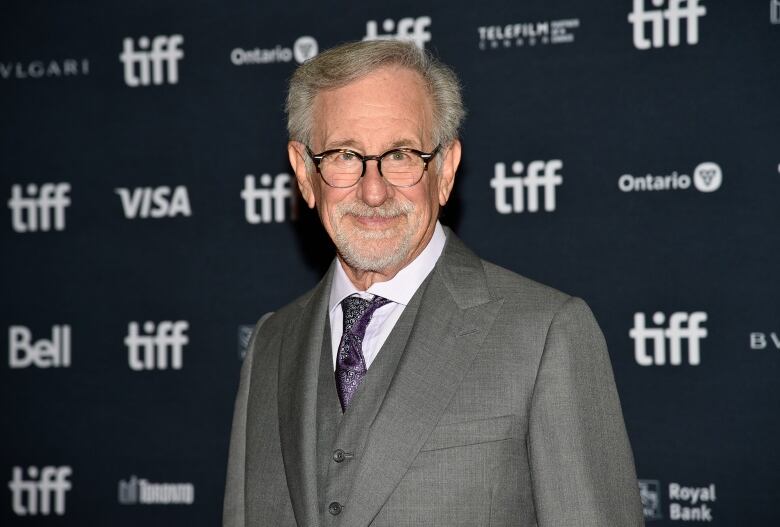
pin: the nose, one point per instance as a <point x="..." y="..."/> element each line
<point x="373" y="190"/>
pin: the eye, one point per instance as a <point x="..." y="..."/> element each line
<point x="346" y="156"/>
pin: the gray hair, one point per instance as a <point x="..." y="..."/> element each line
<point x="349" y="62"/>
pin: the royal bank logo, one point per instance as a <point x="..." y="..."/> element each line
<point x="691" y="503"/>
<point x="154" y="202"/>
<point x="518" y="193"/>
<point x="528" y="34"/>
<point x="269" y="201"/>
<point x="760" y="340"/>
<point x="665" y="25"/>
<point x="411" y="29"/>
<point x="774" y="11"/>
<point x="650" y="494"/>
<point x="244" y="336"/>
<point x="39" y="492"/>
<point x="157" y="346"/>
<point x="44" y="69"/>
<point x="668" y="337"/>
<point x="707" y="177"/>
<point x="303" y="49"/>
<point x="24" y="351"/>
<point x="139" y="491"/>
<point x="152" y="61"/>
<point x="39" y="208"/>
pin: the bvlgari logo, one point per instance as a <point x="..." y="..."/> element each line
<point x="42" y="69"/>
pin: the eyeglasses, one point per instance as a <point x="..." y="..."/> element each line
<point x="343" y="168"/>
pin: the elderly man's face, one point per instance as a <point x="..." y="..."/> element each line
<point x="375" y="226"/>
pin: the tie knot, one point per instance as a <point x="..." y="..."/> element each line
<point x="359" y="309"/>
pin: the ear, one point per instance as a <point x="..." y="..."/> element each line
<point x="449" y="165"/>
<point x="297" y="154"/>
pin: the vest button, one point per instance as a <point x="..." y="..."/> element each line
<point x="335" y="508"/>
<point x="338" y="455"/>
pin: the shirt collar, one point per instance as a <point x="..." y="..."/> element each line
<point x="403" y="285"/>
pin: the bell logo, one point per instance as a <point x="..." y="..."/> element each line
<point x="41" y="209"/>
<point x="674" y="14"/>
<point x="23" y="352"/>
<point x="271" y="198"/>
<point x="145" y="67"/>
<point x="154" y="202"/>
<point x="151" y="349"/>
<point x="540" y="174"/>
<point x="42" y="493"/>
<point x="412" y="29"/>
<point x="682" y="327"/>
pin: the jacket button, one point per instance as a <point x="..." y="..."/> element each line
<point x="335" y="508"/>
<point x="338" y="455"/>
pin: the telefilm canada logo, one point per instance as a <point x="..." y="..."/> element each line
<point x="686" y="502"/>
<point x="152" y="61"/>
<point x="707" y="177"/>
<point x="662" y="24"/>
<point x="157" y="346"/>
<point x="528" y="34"/>
<point x="268" y="198"/>
<point x="44" y="69"/>
<point x="520" y="193"/>
<point x="414" y="29"/>
<point x="39" y="492"/>
<point x="140" y="491"/>
<point x="25" y="351"/>
<point x="668" y="337"/>
<point x="39" y="207"/>
<point x="304" y="48"/>
<point x="154" y="202"/>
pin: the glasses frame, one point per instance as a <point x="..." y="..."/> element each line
<point x="425" y="156"/>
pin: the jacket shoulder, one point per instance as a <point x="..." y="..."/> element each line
<point x="522" y="291"/>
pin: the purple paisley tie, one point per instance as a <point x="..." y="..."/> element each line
<point x="350" y="364"/>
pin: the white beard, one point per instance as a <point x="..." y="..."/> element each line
<point x="374" y="250"/>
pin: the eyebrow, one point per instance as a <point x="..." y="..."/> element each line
<point x="355" y="145"/>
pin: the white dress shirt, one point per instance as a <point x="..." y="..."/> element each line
<point x="399" y="290"/>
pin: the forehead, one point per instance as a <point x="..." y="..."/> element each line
<point x="385" y="106"/>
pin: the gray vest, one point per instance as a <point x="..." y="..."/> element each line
<point x="341" y="438"/>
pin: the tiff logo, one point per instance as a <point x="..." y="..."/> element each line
<point x="33" y="208"/>
<point x="540" y="174"/>
<point x="150" y="350"/>
<point x="270" y="196"/>
<point x="43" y="353"/>
<point x="682" y="327"/>
<point x="34" y="496"/>
<point x="154" y="202"/>
<point x="671" y="17"/>
<point x="145" y="66"/>
<point x="412" y="29"/>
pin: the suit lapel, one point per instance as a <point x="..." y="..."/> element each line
<point x="454" y="316"/>
<point x="299" y="361"/>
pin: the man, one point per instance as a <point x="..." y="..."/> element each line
<point x="416" y="384"/>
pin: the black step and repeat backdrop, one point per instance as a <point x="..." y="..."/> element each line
<point x="626" y="151"/>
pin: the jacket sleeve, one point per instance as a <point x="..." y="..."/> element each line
<point x="233" y="505"/>
<point x="582" y="467"/>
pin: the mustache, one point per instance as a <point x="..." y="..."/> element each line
<point x="388" y="209"/>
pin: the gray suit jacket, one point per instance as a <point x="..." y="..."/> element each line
<point x="502" y="411"/>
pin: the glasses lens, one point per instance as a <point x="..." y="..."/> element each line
<point x="402" y="168"/>
<point x="341" y="169"/>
